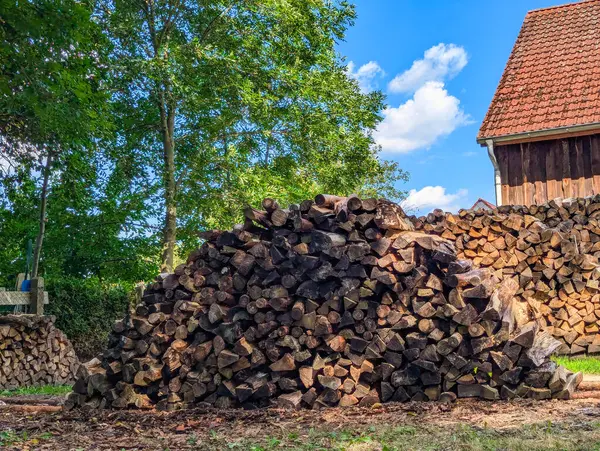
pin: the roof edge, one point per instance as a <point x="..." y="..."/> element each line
<point x="485" y="202"/>
<point x="502" y="78"/>
<point x="540" y="134"/>
<point x="564" y="5"/>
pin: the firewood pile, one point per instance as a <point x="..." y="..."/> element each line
<point x="33" y="353"/>
<point x="551" y="249"/>
<point x="336" y="302"/>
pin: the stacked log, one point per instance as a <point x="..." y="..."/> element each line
<point x="335" y="302"/>
<point x="552" y="250"/>
<point x="34" y="353"/>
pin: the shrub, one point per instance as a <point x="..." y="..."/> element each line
<point x="86" y="309"/>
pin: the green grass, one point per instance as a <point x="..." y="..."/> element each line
<point x="586" y="364"/>
<point x="49" y="390"/>
<point x="545" y="436"/>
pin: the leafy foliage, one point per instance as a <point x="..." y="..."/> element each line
<point x="51" y="94"/>
<point x="254" y="98"/>
<point x="50" y="73"/>
<point x="96" y="224"/>
<point x="86" y="309"/>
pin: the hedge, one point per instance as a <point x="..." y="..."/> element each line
<point x="86" y="309"/>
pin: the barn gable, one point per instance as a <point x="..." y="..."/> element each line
<point x="542" y="129"/>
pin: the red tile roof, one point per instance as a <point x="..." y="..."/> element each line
<point x="552" y="78"/>
<point x="482" y="203"/>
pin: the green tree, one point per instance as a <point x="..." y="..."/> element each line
<point x="51" y="95"/>
<point x="227" y="101"/>
<point x="96" y="223"/>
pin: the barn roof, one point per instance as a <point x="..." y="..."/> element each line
<point x="552" y="78"/>
<point x="482" y="203"/>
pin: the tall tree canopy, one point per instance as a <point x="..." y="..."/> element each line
<point x="222" y="102"/>
<point x="141" y="122"/>
<point x="51" y="80"/>
<point x="51" y="94"/>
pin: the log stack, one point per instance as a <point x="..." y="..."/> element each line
<point x="33" y="353"/>
<point x="335" y="302"/>
<point x="551" y="249"/>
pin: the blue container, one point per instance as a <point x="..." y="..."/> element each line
<point x="26" y="285"/>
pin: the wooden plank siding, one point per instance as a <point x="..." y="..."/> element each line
<point x="535" y="172"/>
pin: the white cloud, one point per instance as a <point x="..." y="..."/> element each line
<point x="470" y="154"/>
<point x="431" y="197"/>
<point x="420" y="121"/>
<point x="439" y="63"/>
<point x="366" y="75"/>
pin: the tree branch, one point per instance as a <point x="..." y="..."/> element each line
<point x="213" y="22"/>
<point x="148" y="7"/>
<point x="171" y="19"/>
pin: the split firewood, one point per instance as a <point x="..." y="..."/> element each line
<point x="336" y="302"/>
<point x="551" y="251"/>
<point x="33" y="353"/>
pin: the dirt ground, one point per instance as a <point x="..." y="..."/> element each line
<point x="468" y="424"/>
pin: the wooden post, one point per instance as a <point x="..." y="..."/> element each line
<point x="37" y="296"/>
<point x="20" y="279"/>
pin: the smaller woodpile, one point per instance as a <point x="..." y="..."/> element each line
<point x="336" y="302"/>
<point x="552" y="250"/>
<point x="33" y="353"/>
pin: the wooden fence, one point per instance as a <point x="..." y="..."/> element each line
<point x="35" y="298"/>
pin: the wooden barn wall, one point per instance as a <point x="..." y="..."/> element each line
<point x="535" y="172"/>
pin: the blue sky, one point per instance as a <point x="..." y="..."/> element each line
<point x="439" y="62"/>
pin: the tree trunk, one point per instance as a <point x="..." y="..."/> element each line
<point x="167" y="124"/>
<point x="42" y="222"/>
<point x="170" y="228"/>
